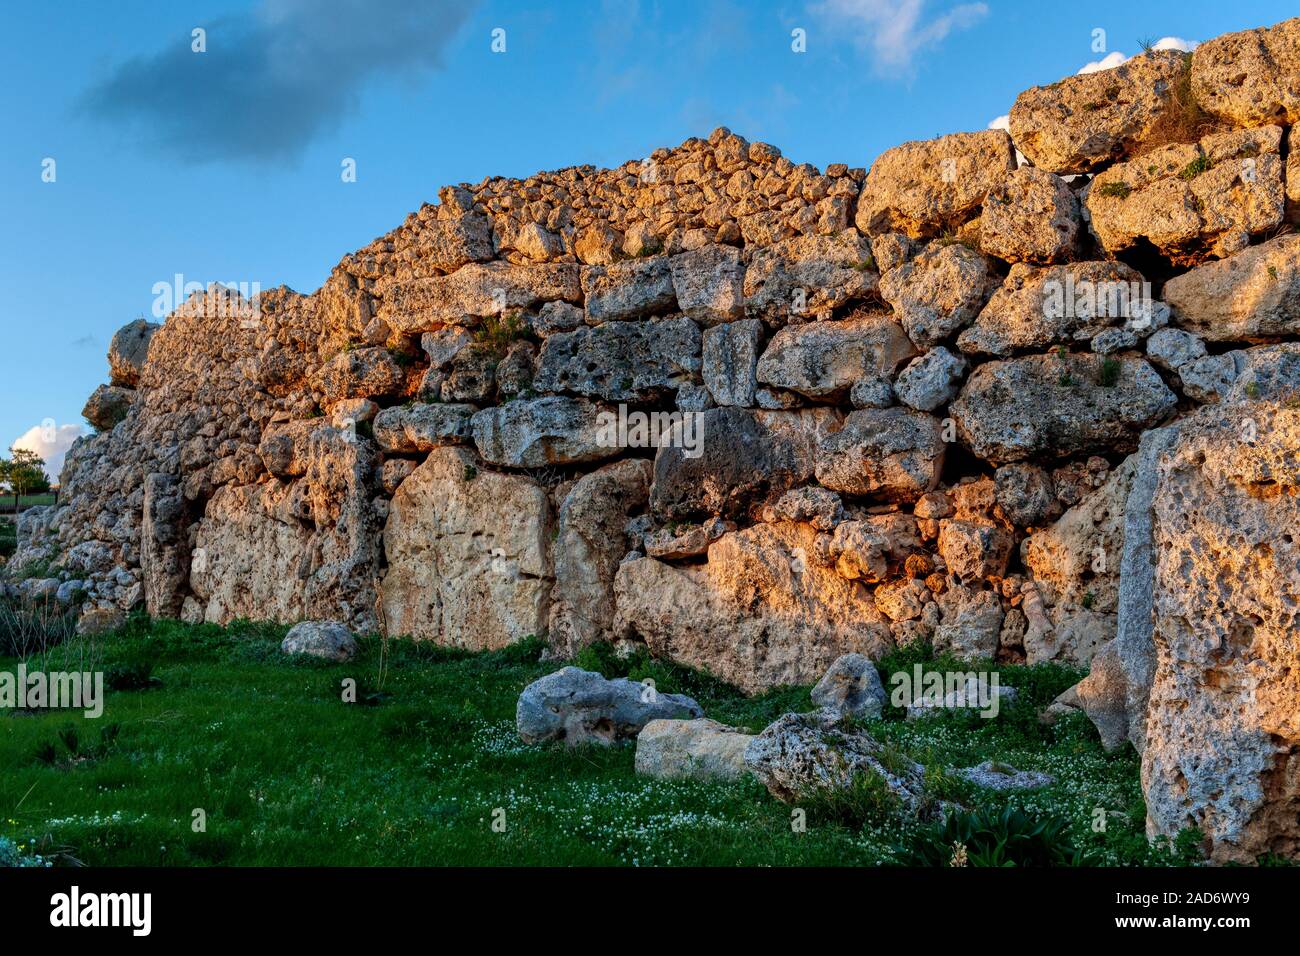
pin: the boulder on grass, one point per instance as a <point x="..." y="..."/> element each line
<point x="328" y="640"/>
<point x="580" y="707"/>
<point x="692" y="750"/>
<point x="802" y="755"/>
<point x="851" y="688"/>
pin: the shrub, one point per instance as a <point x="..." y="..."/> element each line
<point x="134" y="674"/>
<point x="867" y="801"/>
<point x="985" y="838"/>
<point x="1184" y="121"/>
<point x="498" y="331"/>
<point x="1108" y="374"/>
<point x="34" y="628"/>
<point x="1200" y="164"/>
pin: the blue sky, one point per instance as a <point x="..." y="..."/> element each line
<point x="225" y="165"/>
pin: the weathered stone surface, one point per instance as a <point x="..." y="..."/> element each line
<point x="628" y="290"/>
<point x="925" y="187"/>
<point x="800" y="755"/>
<point x="285" y="447"/>
<point x="164" y="545"/>
<point x="1191" y="201"/>
<point x="329" y="640"/>
<point x="971" y="623"/>
<point x="472" y="292"/>
<point x="516" y="370"/>
<point x="1025" y="494"/>
<point x="851" y="688"/>
<point x="1171" y="349"/>
<point x="359" y="373"/>
<point x="744" y="455"/>
<point x="1210" y="377"/>
<point x="107" y="406"/>
<point x="1036" y="307"/>
<point x="938" y="291"/>
<point x="891" y="453"/>
<point x="1088" y="120"/>
<point x="1251" y="78"/>
<point x="973" y="551"/>
<point x="873" y="391"/>
<point x="555" y="317"/>
<point x="858" y="551"/>
<point x="1032" y="216"/>
<point x="730" y="361"/>
<point x="128" y="351"/>
<point x="620" y="361"/>
<point x="824" y="359"/>
<point x="469" y="555"/>
<point x="1076" y="567"/>
<point x="1267" y="373"/>
<point x="533" y="241"/>
<point x="1249" y="297"/>
<point x="709" y="283"/>
<point x="582" y="707"/>
<point x="448" y="243"/>
<point x="393" y="472"/>
<point x="406" y="429"/>
<point x="588" y="547"/>
<point x="1222" y="727"/>
<point x="598" y="246"/>
<point x="891" y="249"/>
<point x="818" y="506"/>
<point x="808" y="276"/>
<point x="444" y="345"/>
<point x="1134" y="644"/>
<point x="539" y="432"/>
<point x="930" y="381"/>
<point x="1103" y="696"/>
<point x="472" y="376"/>
<point x="999" y="776"/>
<point x="691" y="750"/>
<point x="758" y="614"/>
<point x="307" y="549"/>
<point x="1054" y="405"/>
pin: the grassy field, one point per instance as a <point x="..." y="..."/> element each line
<point x="24" y="501"/>
<point x="217" y="720"/>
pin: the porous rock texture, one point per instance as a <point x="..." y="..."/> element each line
<point x="756" y="416"/>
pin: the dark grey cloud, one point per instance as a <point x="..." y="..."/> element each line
<point x="275" y="79"/>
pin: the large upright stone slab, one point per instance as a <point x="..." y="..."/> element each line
<point x="469" y="555"/>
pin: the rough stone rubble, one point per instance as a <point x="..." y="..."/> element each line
<point x="1014" y="412"/>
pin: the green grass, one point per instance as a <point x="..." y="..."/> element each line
<point x="24" y="501"/>
<point x="216" y="719"/>
<point x="1201" y="164"/>
<point x="8" y="537"/>
<point x="1115" y="190"/>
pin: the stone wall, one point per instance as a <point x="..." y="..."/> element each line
<point x="915" y="391"/>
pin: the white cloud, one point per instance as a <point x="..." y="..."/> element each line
<point x="894" y="31"/>
<point x="1108" y="62"/>
<point x="51" y="443"/>
<point x="1001" y="122"/>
